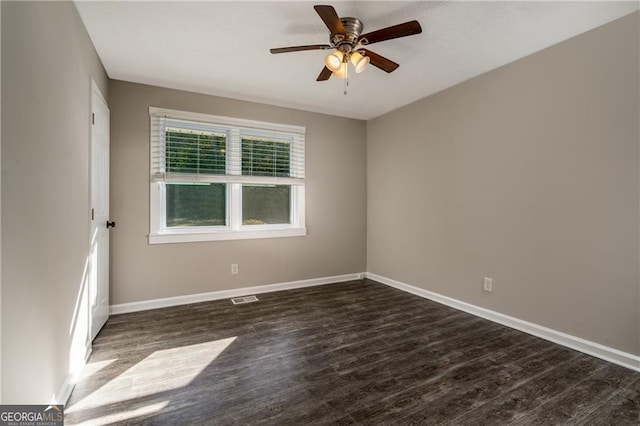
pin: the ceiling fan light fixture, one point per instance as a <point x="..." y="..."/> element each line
<point x="333" y="61"/>
<point x="345" y="36"/>
<point x="341" y="72"/>
<point x="359" y="61"/>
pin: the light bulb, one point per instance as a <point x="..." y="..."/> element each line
<point x="333" y="60"/>
<point x="341" y="72"/>
<point x="359" y="61"/>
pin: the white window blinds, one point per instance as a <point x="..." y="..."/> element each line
<point x="187" y="147"/>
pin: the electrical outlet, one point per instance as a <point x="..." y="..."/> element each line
<point x="234" y="269"/>
<point x="488" y="284"/>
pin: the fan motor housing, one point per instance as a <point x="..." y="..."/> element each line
<point x="352" y="29"/>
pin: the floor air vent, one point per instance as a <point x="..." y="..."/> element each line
<point x="243" y="299"/>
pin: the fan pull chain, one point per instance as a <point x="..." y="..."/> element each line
<point x="346" y="79"/>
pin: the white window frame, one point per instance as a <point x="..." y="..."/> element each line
<point x="234" y="229"/>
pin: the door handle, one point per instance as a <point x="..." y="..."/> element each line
<point x="111" y="224"/>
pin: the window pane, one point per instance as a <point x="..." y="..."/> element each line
<point x="266" y="204"/>
<point x="190" y="151"/>
<point x="196" y="204"/>
<point x="265" y="156"/>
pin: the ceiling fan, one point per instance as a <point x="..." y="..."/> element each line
<point x="348" y="41"/>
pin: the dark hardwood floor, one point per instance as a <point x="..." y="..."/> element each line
<point x="350" y="353"/>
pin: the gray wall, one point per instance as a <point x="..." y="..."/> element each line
<point x="335" y="198"/>
<point x="47" y="65"/>
<point x="527" y="174"/>
<point x="0" y="208"/>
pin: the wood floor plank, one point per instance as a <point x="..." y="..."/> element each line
<point x="349" y="353"/>
<point x="580" y="398"/>
<point x="622" y="408"/>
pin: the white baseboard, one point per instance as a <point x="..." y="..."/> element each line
<point x="227" y="294"/>
<point x="64" y="393"/>
<point x="588" y="347"/>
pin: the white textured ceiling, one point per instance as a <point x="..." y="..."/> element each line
<point x="222" y="48"/>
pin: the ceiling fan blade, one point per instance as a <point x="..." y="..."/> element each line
<point x="396" y="31"/>
<point x="380" y="61"/>
<point x="325" y="74"/>
<point x="300" y="48"/>
<point x="330" y="18"/>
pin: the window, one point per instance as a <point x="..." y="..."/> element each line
<point x="219" y="178"/>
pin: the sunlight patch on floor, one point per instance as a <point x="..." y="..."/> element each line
<point x="93" y="367"/>
<point x="126" y="415"/>
<point x="162" y="370"/>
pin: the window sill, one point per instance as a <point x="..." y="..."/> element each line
<point x="226" y="235"/>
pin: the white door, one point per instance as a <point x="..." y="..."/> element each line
<point x="100" y="225"/>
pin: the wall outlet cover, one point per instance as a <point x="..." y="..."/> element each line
<point x="488" y="284"/>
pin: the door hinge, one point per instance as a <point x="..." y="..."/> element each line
<point x="93" y="118"/>
<point x="92" y="214"/>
